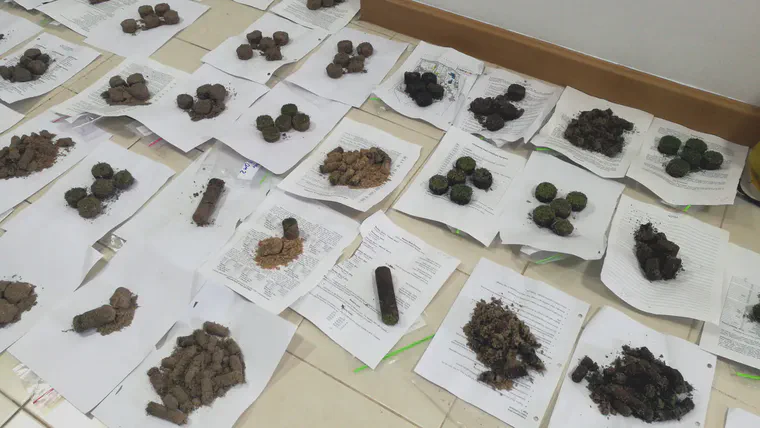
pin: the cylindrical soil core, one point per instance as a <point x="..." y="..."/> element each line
<point x="208" y="202"/>
<point x="290" y="228"/>
<point x="94" y="318"/>
<point x="386" y="294"/>
<point x="160" y="411"/>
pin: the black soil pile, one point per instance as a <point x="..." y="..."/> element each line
<point x="271" y="253"/>
<point x="598" y="131"/>
<point x="754" y="313"/>
<point x="637" y="384"/>
<point x="692" y="156"/>
<point x="15" y="299"/>
<point x="203" y="366"/>
<point x="494" y="112"/>
<point x="150" y="18"/>
<point x="268" y="47"/>
<point x="318" y="4"/>
<point x="656" y="254"/>
<point x="290" y="118"/>
<point x="423" y="87"/>
<point x="208" y="104"/>
<point x="209" y="201"/>
<point x="110" y="318"/>
<point x="28" y="154"/>
<point x="346" y="61"/>
<point x="461" y="193"/>
<point x="130" y="92"/>
<point x="358" y="169"/>
<point x="503" y="343"/>
<point x="107" y="187"/>
<point x="555" y="212"/>
<point x="32" y="64"/>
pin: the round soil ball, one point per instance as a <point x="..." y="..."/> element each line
<point x="6" y="72"/>
<point x="21" y="74"/>
<point x="456" y="176"/>
<point x="264" y="121"/>
<point x="185" y="101"/>
<point x="411" y="77"/>
<point x="266" y="43"/>
<point x="482" y="178"/>
<point x="74" y="195"/>
<point x="334" y="71"/>
<point x="139" y="91"/>
<point x="289" y="109"/>
<point x="515" y="92"/>
<point x="171" y="17"/>
<point x="328" y="3"/>
<point x="677" y="168"/>
<point x="281" y="38"/>
<point x="509" y="112"/>
<point x="135" y="78"/>
<point x="38" y="68"/>
<point x="102" y="170"/>
<point x="756" y="312"/>
<point x="313" y="4"/>
<point x="89" y="207"/>
<point x="365" y="49"/>
<point x="202" y="107"/>
<point x="669" y="145"/>
<point x="561" y="207"/>
<point x="123" y="179"/>
<point x="546" y="192"/>
<point x="435" y="90"/>
<point x="578" y="200"/>
<point x="254" y="37"/>
<point x="151" y="22"/>
<point x="102" y="188"/>
<point x="162" y="8"/>
<point x="493" y="122"/>
<point x="346" y="46"/>
<point x="218" y="92"/>
<point x="483" y="106"/>
<point x="423" y="98"/>
<point x="429" y="77"/>
<point x="466" y="164"/>
<point x="116" y="95"/>
<point x="271" y="134"/>
<point x="145" y="10"/>
<point x="116" y="82"/>
<point x="342" y="59"/>
<point x="44" y="58"/>
<point x="129" y="26"/>
<point x="562" y="227"/>
<point x="356" y="64"/>
<point x="244" y="52"/>
<point x="203" y="92"/>
<point x="438" y="184"/>
<point x="284" y="123"/>
<point x="461" y="194"/>
<point x="692" y="157"/>
<point x="273" y="54"/>
<point x="301" y="122"/>
<point x="711" y="160"/>
<point x="543" y="215"/>
<point x="32" y="53"/>
<point x="695" y="145"/>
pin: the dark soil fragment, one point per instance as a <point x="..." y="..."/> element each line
<point x="438" y="184"/>
<point x="102" y="170"/>
<point x="423" y="98"/>
<point x="503" y="343"/>
<point x="208" y="105"/>
<point x="317" y="4"/>
<point x="244" y="52"/>
<point x="482" y="179"/>
<point x="423" y="88"/>
<point x="346" y="46"/>
<point x="693" y="158"/>
<point x="28" y="154"/>
<point x="132" y="92"/>
<point x="151" y="18"/>
<point x="74" y="195"/>
<point x="281" y="38"/>
<point x="123" y="180"/>
<point x="15" y="299"/>
<point x="695" y="145"/>
<point x="301" y="122"/>
<point x="466" y="164"/>
<point x="254" y="37"/>
<point x="365" y="49"/>
<point x="334" y="71"/>
<point x="637" y="384"/>
<point x="284" y="123"/>
<point x="89" y="207"/>
<point x="386" y="295"/>
<point x="264" y="121"/>
<point x="516" y="92"/>
<point x="106" y="186"/>
<point x="290" y="228"/>
<point x="271" y="134"/>
<point x="109" y="318"/>
<point x="289" y="109"/>
<point x="657" y="256"/>
<point x="32" y="64"/>
<point x="598" y="131"/>
<point x="669" y="145"/>
<point x="711" y="160"/>
<point x="754" y="313"/>
<point x="493" y="122"/>
<point x="461" y="194"/>
<point x="493" y="112"/>
<point x="209" y="200"/>
<point x="359" y="169"/>
<point x="103" y="188"/>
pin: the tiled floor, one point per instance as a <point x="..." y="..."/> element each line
<point x="314" y="384"/>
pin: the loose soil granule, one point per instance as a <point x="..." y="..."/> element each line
<point x="15" y="299"/>
<point x="31" y="153"/>
<point x="208" y="104"/>
<point x="503" y="343"/>
<point x="151" y="18"/>
<point x="274" y="252"/>
<point x="637" y="384"/>
<point x="358" y="169"/>
<point x="131" y="92"/>
<point x="656" y="254"/>
<point x="598" y="131"/>
<point x="202" y="367"/>
<point x="32" y="64"/>
<point x="109" y="318"/>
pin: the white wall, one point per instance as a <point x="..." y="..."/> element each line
<point x="712" y="45"/>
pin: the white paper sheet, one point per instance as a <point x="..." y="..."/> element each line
<point x="263" y="339"/>
<point x="108" y="34"/>
<point x="602" y="340"/>
<point x="282" y="155"/>
<point x="95" y="364"/>
<point x="28" y="4"/>
<point x="167" y="219"/>
<point x="307" y="181"/>
<point x="331" y="19"/>
<point x="456" y="72"/>
<point x="174" y="125"/>
<point x="480" y="218"/>
<point x="739" y="418"/>
<point x="736" y="337"/>
<point x="326" y="234"/>
<point x="351" y="88"/>
<point x="258" y="69"/>
<point x="589" y="238"/>
<point x="344" y="305"/>
<point x="540" y="99"/>
<point x="159" y="78"/>
<point x="570" y="104"/>
<point x="698" y="187"/>
<point x="81" y="16"/>
<point x="554" y="317"/>
<point x="8" y="118"/>
<point x="68" y="60"/>
<point x="15" y="30"/>
<point x="258" y="4"/>
<point x="694" y="293"/>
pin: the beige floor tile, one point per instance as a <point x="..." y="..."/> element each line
<point x="117" y="127"/>
<point x="373" y="28"/>
<point x="27" y="105"/>
<point x="61" y="414"/>
<point x="404" y="38"/>
<point x="165" y="153"/>
<point x="7" y="409"/>
<point x="394" y="383"/>
<point x="103" y="68"/>
<point x="463" y="414"/>
<point x="301" y="396"/>
<point x="726" y="381"/>
<point x="711" y="215"/>
<point x="743" y="222"/>
<point x="719" y="405"/>
<point x="34" y="16"/>
<point x="10" y="384"/>
<point x="23" y="419"/>
<point x="180" y="55"/>
<point x="225" y="19"/>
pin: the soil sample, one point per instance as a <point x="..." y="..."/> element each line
<point x="344" y="62"/>
<point x="657" y="256"/>
<point x="543" y="216"/>
<point x="209" y="200"/>
<point x="546" y="192"/>
<point x="386" y="295"/>
<point x="669" y="145"/>
<point x="754" y="313"/>
<point x="151" y="18"/>
<point x="28" y="154"/>
<point x="15" y="299"/>
<point x="466" y="164"/>
<point x="317" y="4"/>
<point x="290" y="228"/>
<point x="598" y="131"/>
<point x="461" y="194"/>
<point x="107" y="186"/>
<point x="358" y="169"/>
<point x="438" y="184"/>
<point x="562" y="227"/>
<point x="203" y="366"/>
<point x="109" y="318"/>
<point x="271" y="253"/>
<point x="555" y="215"/>
<point x="131" y="92"/>
<point x="637" y="384"/>
<point x="503" y="343"/>
<point x="494" y="112"/>
<point x="268" y="47"/>
<point x="97" y="1"/>
<point x="578" y="200"/>
<point x="677" y="168"/>
<point x="32" y="64"/>
<point x="208" y="104"/>
<point x="456" y="176"/>
<point x="290" y="118"/>
<point x="693" y="157"/>
<point x="423" y="88"/>
<point x="482" y="178"/>
<point x="561" y="207"/>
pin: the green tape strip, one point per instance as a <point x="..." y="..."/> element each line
<point x="398" y="351"/>
<point x="543" y="149"/>
<point x="266" y="175"/>
<point x="687" y="208"/>
<point x="374" y="98"/>
<point x="456" y="231"/>
<point x="549" y="259"/>
<point x="748" y="376"/>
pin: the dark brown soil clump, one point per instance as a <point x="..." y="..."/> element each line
<point x="423" y="88"/>
<point x="358" y="169"/>
<point x="503" y="343"/>
<point x="15" y="299"/>
<point x="208" y="104"/>
<point x="131" y="92"/>
<point x="290" y="118"/>
<point x="656" y="254"/>
<point x="209" y="201"/>
<point x="318" y="4"/>
<point x="203" y="367"/>
<point x="28" y="154"/>
<point x="493" y="112"/>
<point x="151" y="18"/>
<point x="32" y="64"/>
<point x="346" y="62"/>
<point x="637" y="384"/>
<point x="107" y="319"/>
<point x="598" y="131"/>
<point x="106" y="187"/>
<point x="268" y="47"/>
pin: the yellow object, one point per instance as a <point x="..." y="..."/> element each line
<point x="754" y="166"/>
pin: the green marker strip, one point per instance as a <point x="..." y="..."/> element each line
<point x="456" y="231"/>
<point x="266" y="175"/>
<point x="687" y="208"/>
<point x="374" y="98"/>
<point x="748" y="376"/>
<point x="543" y="149"/>
<point x="549" y="259"/>
<point x="398" y="351"/>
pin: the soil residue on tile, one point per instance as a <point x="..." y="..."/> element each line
<point x="637" y="384"/>
<point x="208" y="104"/>
<point x="32" y="64"/>
<point x="108" y="185"/>
<point x="110" y="318"/>
<point x="268" y="47"/>
<point x="494" y="112"/>
<point x="656" y="254"/>
<point x="151" y="18"/>
<point x="131" y="92"/>
<point x="202" y="367"/>
<point x="598" y="131"/>
<point x="15" y="298"/>
<point x="358" y="169"/>
<point x="28" y="154"/>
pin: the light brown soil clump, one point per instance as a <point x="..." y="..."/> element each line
<point x="15" y="299"/>
<point x="150" y="18"/>
<point x="107" y="319"/>
<point x="359" y="169"/>
<point x="32" y="64"/>
<point x="31" y="153"/>
<point x="274" y="252"/>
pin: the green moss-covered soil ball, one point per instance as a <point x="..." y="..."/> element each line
<point x="562" y="227"/>
<point x="102" y="170"/>
<point x="561" y="207"/>
<point x="284" y="123"/>
<point x="123" y="179"/>
<point x="271" y="134"/>
<point x="669" y="145"/>
<point x="482" y="178"/>
<point x="103" y="188"/>
<point x="456" y="176"/>
<point x="543" y="215"/>
<point x="89" y="207"/>
<point x="692" y="157"/>
<point x="264" y="121"/>
<point x="546" y="192"/>
<point x="711" y="160"/>
<point x="74" y="195"/>
<point x="677" y="168"/>
<point x="461" y="194"/>
<point x="466" y="164"/>
<point x="578" y="200"/>
<point x="289" y="109"/>
<point x="438" y="184"/>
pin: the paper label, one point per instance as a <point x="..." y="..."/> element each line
<point x="248" y="170"/>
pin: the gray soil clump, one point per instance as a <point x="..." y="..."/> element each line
<point x="545" y="192"/>
<point x="754" y="313"/>
<point x="346" y="61"/>
<point x="106" y="187"/>
<point x="657" y="256"/>
<point x="110" y="318"/>
<point x="598" y="131"/>
<point x="493" y="113"/>
<point x="31" y="65"/>
<point x="15" y="299"/>
<point x="151" y="18"/>
<point x="268" y="47"/>
<point x="28" y="154"/>
<point x="358" y="169"/>
<point x="208" y="104"/>
<point x="289" y="119"/>
<point x="132" y="92"/>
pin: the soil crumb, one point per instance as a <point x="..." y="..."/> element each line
<point x="202" y="367"/>
<point x="106" y="187"/>
<point x="150" y="18"/>
<point x="32" y="64"/>
<point x="208" y="104"/>
<point x="358" y="169"/>
<point x="637" y="384"/>
<point x="31" y="153"/>
<point x="598" y="131"/>
<point x="656" y="254"/>
<point x="131" y="92"/>
<point x="15" y="299"/>
<point x="274" y="252"/>
<point x="107" y="319"/>
<point x="503" y="343"/>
